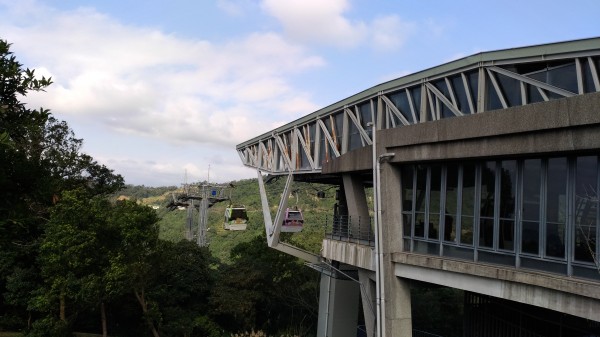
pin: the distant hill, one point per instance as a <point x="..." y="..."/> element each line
<point x="317" y="212"/>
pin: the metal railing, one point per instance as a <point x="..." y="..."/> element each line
<point x="350" y="229"/>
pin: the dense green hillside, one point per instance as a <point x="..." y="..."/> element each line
<point x="316" y="212"/>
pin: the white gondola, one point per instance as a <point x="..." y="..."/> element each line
<point x="236" y="218"/>
<point x="294" y="221"/>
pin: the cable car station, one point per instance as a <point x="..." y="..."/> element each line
<point x="485" y="174"/>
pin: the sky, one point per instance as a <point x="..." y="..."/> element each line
<point x="162" y="91"/>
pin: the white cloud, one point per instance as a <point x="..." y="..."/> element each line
<point x="317" y="21"/>
<point x="141" y="81"/>
<point x="140" y="93"/>
<point x="155" y="173"/>
<point x="326" y="23"/>
<point x="233" y="8"/>
<point x="390" y="32"/>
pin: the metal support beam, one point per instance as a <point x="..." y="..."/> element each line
<point x="273" y="229"/>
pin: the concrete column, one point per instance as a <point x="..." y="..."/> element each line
<point x="397" y="302"/>
<point x="398" y="317"/>
<point x="357" y="205"/>
<point x="338" y="307"/>
<point x="367" y="291"/>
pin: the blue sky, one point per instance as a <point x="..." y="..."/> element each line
<point x="160" y="88"/>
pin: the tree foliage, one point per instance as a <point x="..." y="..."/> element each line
<point x="40" y="159"/>
<point x="73" y="258"/>
<point x="266" y="289"/>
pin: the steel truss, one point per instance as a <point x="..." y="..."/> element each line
<point x="476" y="84"/>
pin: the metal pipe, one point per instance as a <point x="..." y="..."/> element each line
<point x="378" y="285"/>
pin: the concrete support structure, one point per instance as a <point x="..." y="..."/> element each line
<point x="338" y="307"/>
<point x="398" y="317"/>
<point x="367" y="286"/>
<point x="491" y="188"/>
<point x="356" y="200"/>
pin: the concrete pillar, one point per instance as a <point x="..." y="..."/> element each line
<point x="367" y="291"/>
<point x="338" y="307"/>
<point x="398" y="317"/>
<point x="357" y="206"/>
<point x="396" y="291"/>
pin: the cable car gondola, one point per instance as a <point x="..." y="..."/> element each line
<point x="236" y="218"/>
<point x="293" y="221"/>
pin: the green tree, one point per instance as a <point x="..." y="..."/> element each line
<point x="39" y="159"/>
<point x="74" y="255"/>
<point x="133" y="264"/>
<point x="266" y="289"/>
<point x="24" y="184"/>
<point x="94" y="252"/>
<point x="183" y="287"/>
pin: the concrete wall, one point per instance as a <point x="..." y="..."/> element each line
<point x="563" y="125"/>
<point x="519" y="291"/>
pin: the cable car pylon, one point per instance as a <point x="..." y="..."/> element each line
<point x="202" y="197"/>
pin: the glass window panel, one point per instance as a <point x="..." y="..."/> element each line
<point x="488" y="189"/>
<point x="451" y="209"/>
<point x="486" y="232"/>
<point x="564" y="77"/>
<point x="311" y="135"/>
<point x="392" y="116"/>
<point x="407" y="172"/>
<point x="355" y="137"/>
<point x="533" y="94"/>
<point x="364" y="110"/>
<point x="337" y="133"/>
<point x="415" y="93"/>
<point x="588" y="79"/>
<point x="441" y="86"/>
<point x="507" y="235"/>
<point x="508" y="183"/>
<point x="597" y="61"/>
<point x="531" y="205"/>
<point x="530" y="238"/>
<point x="304" y="163"/>
<point x="556" y="207"/>
<point x="401" y="102"/>
<point x="461" y="95"/>
<point x="466" y="230"/>
<point x="539" y="76"/>
<point x="473" y="79"/>
<point x="556" y="204"/>
<point x="445" y="112"/>
<point x="420" y="225"/>
<point x="434" y="201"/>
<point x="511" y="89"/>
<point x="421" y="189"/>
<point x="324" y="154"/>
<point x="407" y="224"/>
<point x="586" y="208"/>
<point x="551" y="95"/>
<point x="532" y="169"/>
<point x="492" y="99"/>
<point x="407" y="187"/>
<point x="555" y="240"/>
<point x="467" y="203"/>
